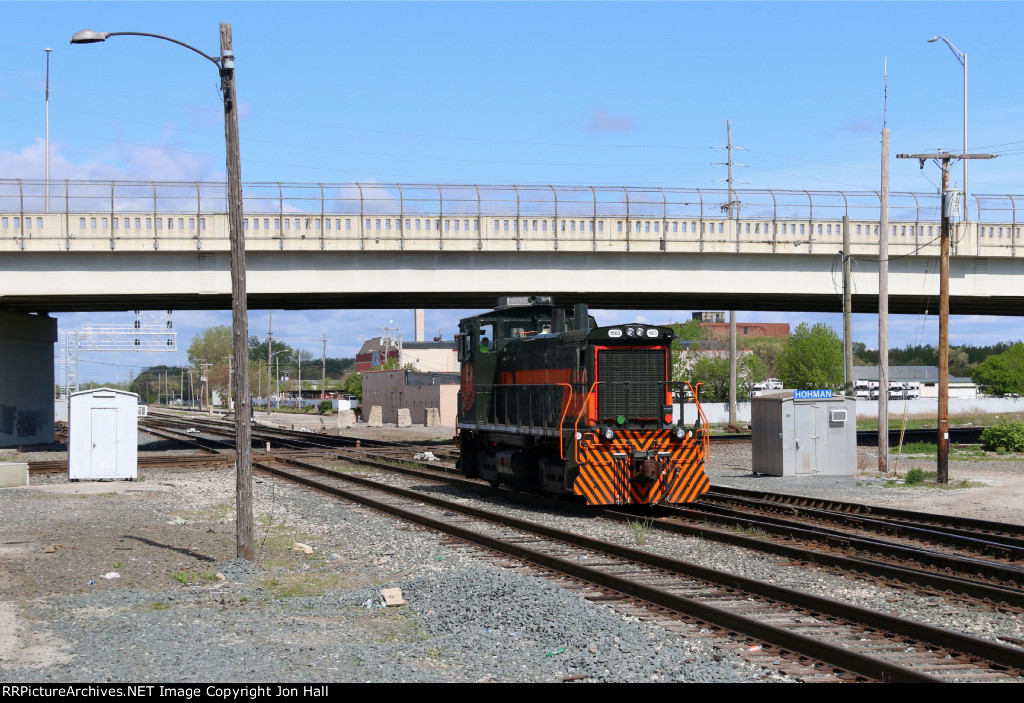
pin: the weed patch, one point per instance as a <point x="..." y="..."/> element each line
<point x="641" y="531"/>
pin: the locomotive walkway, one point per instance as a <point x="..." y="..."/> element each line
<point x="115" y="245"/>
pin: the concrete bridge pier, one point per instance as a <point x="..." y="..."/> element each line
<point x="26" y="378"/>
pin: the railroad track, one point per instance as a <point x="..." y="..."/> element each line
<point x="773" y="648"/>
<point x="932" y="559"/>
<point x="845" y="641"/>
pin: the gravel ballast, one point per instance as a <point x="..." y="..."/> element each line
<point x="183" y="609"/>
<point x="292" y="617"/>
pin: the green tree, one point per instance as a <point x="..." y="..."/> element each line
<point x="960" y="362"/>
<point x="712" y="370"/>
<point x="812" y="359"/>
<point x="862" y="356"/>
<point x="688" y="332"/>
<point x="768" y="350"/>
<point x="258" y="351"/>
<point x="1002" y="374"/>
<point x="353" y="385"/>
<point x="157" y="383"/>
<point x="211" y="346"/>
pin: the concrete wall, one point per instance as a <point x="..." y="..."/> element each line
<point x="26" y="378"/>
<point x="392" y="390"/>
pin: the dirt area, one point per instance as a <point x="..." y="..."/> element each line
<point x="994" y="489"/>
<point x="78" y="533"/>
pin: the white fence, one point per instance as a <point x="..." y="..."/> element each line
<point x="718" y="413"/>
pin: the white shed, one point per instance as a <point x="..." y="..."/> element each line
<point x="103" y="440"/>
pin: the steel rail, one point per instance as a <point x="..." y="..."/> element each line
<point x="973" y="524"/>
<point x="998" y="654"/>
<point x="934" y="534"/>
<point x="832" y="654"/>
<point x="942" y="583"/>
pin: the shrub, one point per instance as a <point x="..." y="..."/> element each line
<point x="1005" y="436"/>
<point x="914" y="477"/>
<point x="325" y="406"/>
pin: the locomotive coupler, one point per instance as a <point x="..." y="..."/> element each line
<point x="645" y="467"/>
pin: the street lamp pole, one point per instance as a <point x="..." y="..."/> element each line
<point x="239" y="308"/>
<point x="962" y="58"/>
<point x="48" y="50"/>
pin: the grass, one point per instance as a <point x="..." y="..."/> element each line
<point x="917" y="422"/>
<point x="958" y="452"/>
<point x="187" y="577"/>
<point x="307" y="585"/>
<point x="919" y="478"/>
<point x="641" y="531"/>
<point x="396" y="625"/>
<point x="211" y="513"/>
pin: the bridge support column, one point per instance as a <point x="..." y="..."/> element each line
<point x="26" y="378"/>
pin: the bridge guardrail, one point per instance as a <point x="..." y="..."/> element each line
<point x="92" y="215"/>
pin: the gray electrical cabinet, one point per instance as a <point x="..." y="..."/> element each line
<point x="103" y="439"/>
<point x="804" y="433"/>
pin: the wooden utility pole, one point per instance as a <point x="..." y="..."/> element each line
<point x="323" y="371"/>
<point x="270" y="345"/>
<point x="949" y="204"/>
<point x="239" y="303"/>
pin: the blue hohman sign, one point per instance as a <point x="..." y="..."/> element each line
<point x="804" y="395"/>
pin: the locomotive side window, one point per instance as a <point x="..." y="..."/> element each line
<point x="486" y="337"/>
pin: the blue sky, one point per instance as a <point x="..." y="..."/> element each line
<point x="612" y="93"/>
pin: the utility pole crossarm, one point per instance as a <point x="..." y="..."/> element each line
<point x="942" y="155"/>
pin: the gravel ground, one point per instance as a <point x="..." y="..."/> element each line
<point x="182" y="609"/>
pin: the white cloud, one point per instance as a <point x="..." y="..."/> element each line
<point x="601" y="121"/>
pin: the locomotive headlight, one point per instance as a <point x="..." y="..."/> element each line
<point x="609" y="433"/>
<point x="630" y="331"/>
<point x="639" y="331"/>
<point x="680" y="432"/>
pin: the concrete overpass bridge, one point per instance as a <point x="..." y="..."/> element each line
<point x="128" y="246"/>
<point x="88" y="245"/>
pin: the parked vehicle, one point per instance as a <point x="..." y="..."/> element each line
<point x="862" y="389"/>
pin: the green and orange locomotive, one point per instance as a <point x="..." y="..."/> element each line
<point x="550" y="401"/>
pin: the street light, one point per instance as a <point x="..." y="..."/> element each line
<point x="47" y="50"/>
<point x="962" y="58"/>
<point x="239" y="312"/>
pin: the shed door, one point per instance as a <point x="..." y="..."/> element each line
<point x="103" y="454"/>
<point x="809" y="442"/>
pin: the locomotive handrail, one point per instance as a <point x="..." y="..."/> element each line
<point x="706" y="441"/>
<point x="561" y="421"/>
<point x="576" y="425"/>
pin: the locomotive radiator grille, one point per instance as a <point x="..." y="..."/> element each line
<point x="633" y="383"/>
